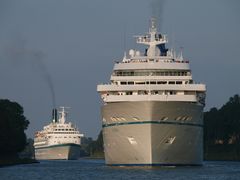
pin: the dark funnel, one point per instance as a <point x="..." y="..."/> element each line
<point x="54" y="115"/>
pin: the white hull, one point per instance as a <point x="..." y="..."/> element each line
<point x="146" y="139"/>
<point x="58" y="152"/>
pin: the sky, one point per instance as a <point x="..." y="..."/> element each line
<point x="59" y="50"/>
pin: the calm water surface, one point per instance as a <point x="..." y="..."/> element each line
<point x="96" y="169"/>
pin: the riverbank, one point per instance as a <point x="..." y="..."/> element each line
<point x="16" y="161"/>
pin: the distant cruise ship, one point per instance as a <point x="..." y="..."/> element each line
<point x="153" y="110"/>
<point x="58" y="140"/>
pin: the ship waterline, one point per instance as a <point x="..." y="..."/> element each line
<point x="153" y="133"/>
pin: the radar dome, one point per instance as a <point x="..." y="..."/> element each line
<point x="131" y="52"/>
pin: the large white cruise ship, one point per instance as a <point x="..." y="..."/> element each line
<point x="153" y="110"/>
<point x="58" y="140"/>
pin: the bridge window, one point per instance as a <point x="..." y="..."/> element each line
<point x="162" y="82"/>
<point x="139" y="82"/>
<point x="179" y="82"/>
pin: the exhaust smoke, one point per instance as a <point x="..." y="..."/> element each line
<point x="17" y="53"/>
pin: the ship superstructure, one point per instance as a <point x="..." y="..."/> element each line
<point x="153" y="110"/>
<point x="58" y="140"/>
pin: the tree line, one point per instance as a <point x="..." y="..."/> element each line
<point x="222" y="131"/>
<point x="12" y="126"/>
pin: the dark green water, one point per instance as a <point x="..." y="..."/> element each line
<point x="96" y="169"/>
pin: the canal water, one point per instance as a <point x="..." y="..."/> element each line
<point x="96" y="169"/>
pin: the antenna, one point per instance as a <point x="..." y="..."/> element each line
<point x="124" y="39"/>
<point x="181" y="53"/>
<point x="173" y="42"/>
<point x="125" y="57"/>
<point x="153" y="25"/>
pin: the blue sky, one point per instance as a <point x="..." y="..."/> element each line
<point x="77" y="42"/>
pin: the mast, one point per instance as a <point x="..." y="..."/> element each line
<point x="154" y="40"/>
<point x="63" y="114"/>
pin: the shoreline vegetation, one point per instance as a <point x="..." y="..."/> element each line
<point x="222" y="131"/>
<point x="13" y="139"/>
<point x="221" y="135"/>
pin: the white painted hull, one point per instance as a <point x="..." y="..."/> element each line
<point x="140" y="137"/>
<point x="58" y="152"/>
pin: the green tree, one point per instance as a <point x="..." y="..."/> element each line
<point x="223" y="125"/>
<point x="96" y="147"/>
<point x="12" y="126"/>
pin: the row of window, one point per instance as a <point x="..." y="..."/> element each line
<point x="65" y="137"/>
<point x="152" y="93"/>
<point x="151" y="73"/>
<point x="59" y="142"/>
<point x="153" y="82"/>
<point x="64" y="129"/>
<point x="63" y="132"/>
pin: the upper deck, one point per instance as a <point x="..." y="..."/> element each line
<point x="157" y="64"/>
<point x="154" y="75"/>
<point x="156" y="56"/>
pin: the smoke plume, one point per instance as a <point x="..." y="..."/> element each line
<point x="38" y="57"/>
<point x="18" y="54"/>
<point x="157" y="8"/>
